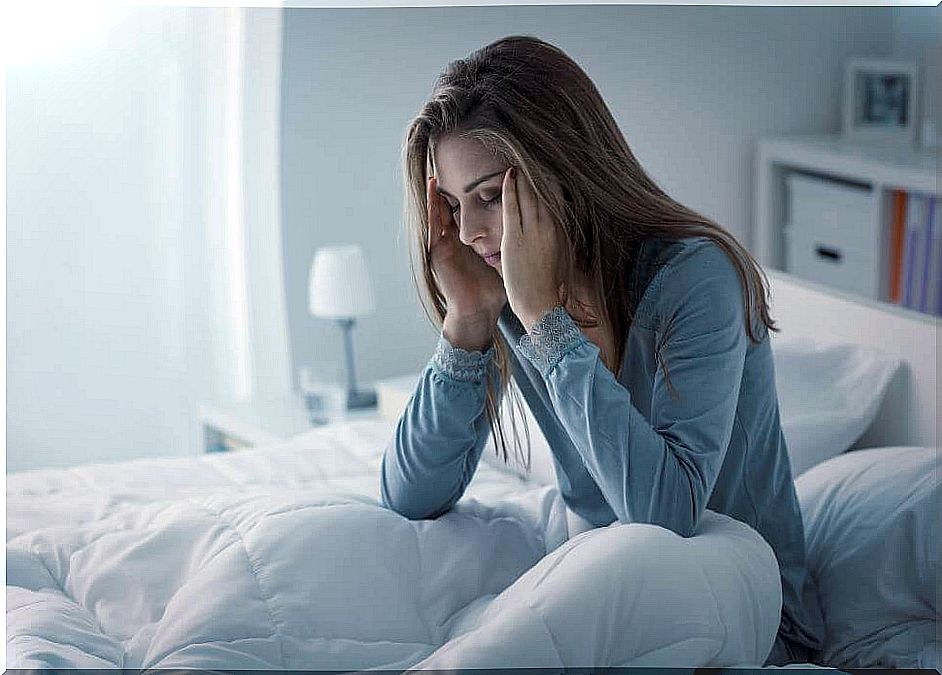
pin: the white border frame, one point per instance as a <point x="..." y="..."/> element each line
<point x="901" y="135"/>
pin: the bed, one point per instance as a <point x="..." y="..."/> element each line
<point x="282" y="557"/>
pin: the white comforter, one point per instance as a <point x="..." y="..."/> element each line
<point x="283" y="558"/>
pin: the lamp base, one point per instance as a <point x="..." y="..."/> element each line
<point x="361" y="398"/>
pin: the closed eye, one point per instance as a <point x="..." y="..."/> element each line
<point x="487" y="203"/>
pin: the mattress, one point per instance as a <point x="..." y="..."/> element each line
<point x="283" y="557"/>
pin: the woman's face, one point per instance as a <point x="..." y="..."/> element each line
<point x="470" y="179"/>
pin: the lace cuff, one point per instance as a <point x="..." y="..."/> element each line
<point x="550" y="338"/>
<point x="461" y="364"/>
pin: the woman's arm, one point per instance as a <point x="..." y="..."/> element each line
<point x="440" y="436"/>
<point x="663" y="471"/>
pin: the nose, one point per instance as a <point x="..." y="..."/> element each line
<point x="470" y="229"/>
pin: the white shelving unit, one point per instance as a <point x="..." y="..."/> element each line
<point x="877" y="168"/>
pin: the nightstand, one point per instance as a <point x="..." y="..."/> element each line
<point x="227" y="426"/>
<point x="393" y="395"/>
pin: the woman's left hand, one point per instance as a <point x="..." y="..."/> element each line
<point x="528" y="251"/>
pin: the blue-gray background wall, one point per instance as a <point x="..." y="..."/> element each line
<point x="692" y="88"/>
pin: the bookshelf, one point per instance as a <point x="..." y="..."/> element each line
<point x="871" y="169"/>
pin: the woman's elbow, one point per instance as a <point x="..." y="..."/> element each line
<point x="680" y="525"/>
<point x="406" y="503"/>
<point x="688" y="528"/>
<point x="688" y="525"/>
<point x="413" y="511"/>
<point x="395" y="501"/>
<point x="692" y="496"/>
<point x="682" y="518"/>
<point x="393" y="489"/>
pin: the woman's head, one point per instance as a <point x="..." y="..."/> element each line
<point x="522" y="102"/>
<point x="470" y="177"/>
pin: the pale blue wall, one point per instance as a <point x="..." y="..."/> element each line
<point x="917" y="36"/>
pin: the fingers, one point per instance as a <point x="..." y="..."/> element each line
<point x="527" y="204"/>
<point x="428" y="200"/>
<point x="510" y="209"/>
<point x="521" y="205"/>
<point x="533" y="222"/>
<point x="435" y="225"/>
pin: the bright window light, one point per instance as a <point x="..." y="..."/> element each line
<point x="235" y="200"/>
<point x="42" y="31"/>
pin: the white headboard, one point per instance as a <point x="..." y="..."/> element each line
<point x="909" y="414"/>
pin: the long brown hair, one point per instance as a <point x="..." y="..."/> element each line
<point x="533" y="106"/>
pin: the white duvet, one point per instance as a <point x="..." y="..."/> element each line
<point x="283" y="558"/>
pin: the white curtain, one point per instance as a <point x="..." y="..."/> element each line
<point x="144" y="239"/>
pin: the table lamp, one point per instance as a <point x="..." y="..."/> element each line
<point x="339" y="288"/>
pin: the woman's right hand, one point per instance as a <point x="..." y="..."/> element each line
<point x="473" y="290"/>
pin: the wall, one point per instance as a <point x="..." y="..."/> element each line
<point x="917" y="36"/>
<point x="691" y="87"/>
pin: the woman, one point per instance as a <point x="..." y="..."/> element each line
<point x="635" y="328"/>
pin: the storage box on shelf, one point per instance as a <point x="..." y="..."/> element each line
<point x="831" y="235"/>
<point x="824" y="208"/>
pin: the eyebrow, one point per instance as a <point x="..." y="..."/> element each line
<point x="473" y="184"/>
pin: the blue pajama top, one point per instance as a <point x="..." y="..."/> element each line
<point x="626" y="447"/>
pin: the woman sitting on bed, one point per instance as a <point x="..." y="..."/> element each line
<point x="635" y="328"/>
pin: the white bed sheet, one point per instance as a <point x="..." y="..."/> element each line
<point x="282" y="558"/>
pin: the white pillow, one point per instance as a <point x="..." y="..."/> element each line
<point x="828" y="395"/>
<point x="873" y="547"/>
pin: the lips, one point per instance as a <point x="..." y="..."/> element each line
<point x="492" y="259"/>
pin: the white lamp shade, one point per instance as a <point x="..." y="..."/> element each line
<point x="339" y="285"/>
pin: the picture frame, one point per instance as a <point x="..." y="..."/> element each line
<point x="879" y="100"/>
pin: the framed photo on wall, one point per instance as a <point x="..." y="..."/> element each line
<point x="880" y="97"/>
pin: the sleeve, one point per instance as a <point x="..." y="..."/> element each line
<point x="663" y="471"/>
<point x="440" y="436"/>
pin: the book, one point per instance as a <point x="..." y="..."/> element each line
<point x="897" y="241"/>
<point x="912" y="260"/>
<point x="931" y="225"/>
<point x="934" y="299"/>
